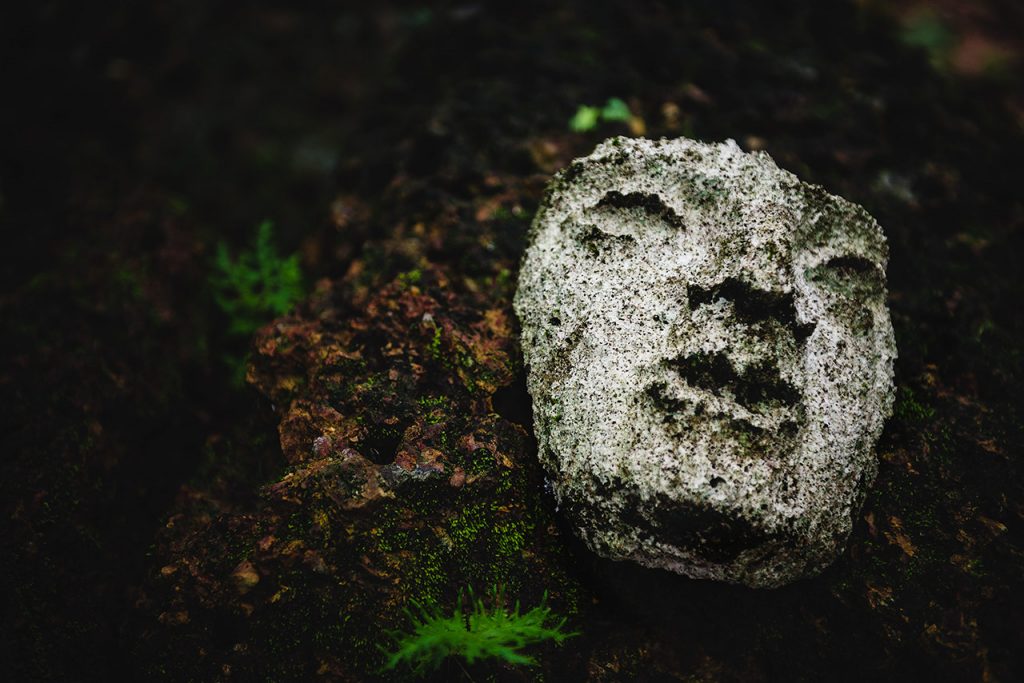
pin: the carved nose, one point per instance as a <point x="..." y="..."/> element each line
<point x="752" y="304"/>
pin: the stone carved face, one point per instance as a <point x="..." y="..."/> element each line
<point x="710" y="358"/>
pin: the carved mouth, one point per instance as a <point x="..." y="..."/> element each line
<point x="718" y="534"/>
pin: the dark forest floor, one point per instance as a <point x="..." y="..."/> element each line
<point x="401" y="152"/>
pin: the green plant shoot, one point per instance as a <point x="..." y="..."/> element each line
<point x="257" y="285"/>
<point x="587" y="117"/>
<point x="481" y="633"/>
<point x="616" y="110"/>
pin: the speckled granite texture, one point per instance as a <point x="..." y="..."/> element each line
<point x="710" y="358"/>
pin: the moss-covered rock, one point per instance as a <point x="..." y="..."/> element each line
<point x="403" y="485"/>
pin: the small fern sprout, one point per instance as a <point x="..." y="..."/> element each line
<point x="480" y="633"/>
<point x="257" y="285"/>
<point x="252" y="289"/>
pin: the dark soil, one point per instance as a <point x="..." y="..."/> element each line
<point x="401" y="151"/>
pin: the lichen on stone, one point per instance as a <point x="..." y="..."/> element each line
<point x="710" y="358"/>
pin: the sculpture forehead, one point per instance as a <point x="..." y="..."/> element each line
<point x="741" y="206"/>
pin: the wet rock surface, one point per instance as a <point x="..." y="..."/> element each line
<point x="711" y="358"/>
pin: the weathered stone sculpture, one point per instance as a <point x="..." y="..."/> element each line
<point x="710" y="358"/>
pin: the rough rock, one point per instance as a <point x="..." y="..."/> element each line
<point x="710" y="358"/>
<point x="402" y="485"/>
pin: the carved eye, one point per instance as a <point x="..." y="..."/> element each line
<point x="621" y="219"/>
<point x="852" y="276"/>
<point x="641" y="204"/>
<point x="595" y="239"/>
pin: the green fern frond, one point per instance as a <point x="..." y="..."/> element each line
<point x="481" y="633"/>
<point x="257" y="285"/>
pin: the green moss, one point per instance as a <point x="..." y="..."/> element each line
<point x="435" y="344"/>
<point x="131" y="282"/>
<point x="434" y="410"/>
<point x="410" y="277"/>
<point x="502" y="213"/>
<point x="480" y="461"/>
<point x="510" y="482"/>
<point x="556" y="410"/>
<point x="429" y="403"/>
<point x="909" y="409"/>
<point x="508" y="540"/>
<point x="503" y="280"/>
<point x="927" y="31"/>
<point x="466" y="527"/>
<point x="427" y="579"/>
<point x="708" y="191"/>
